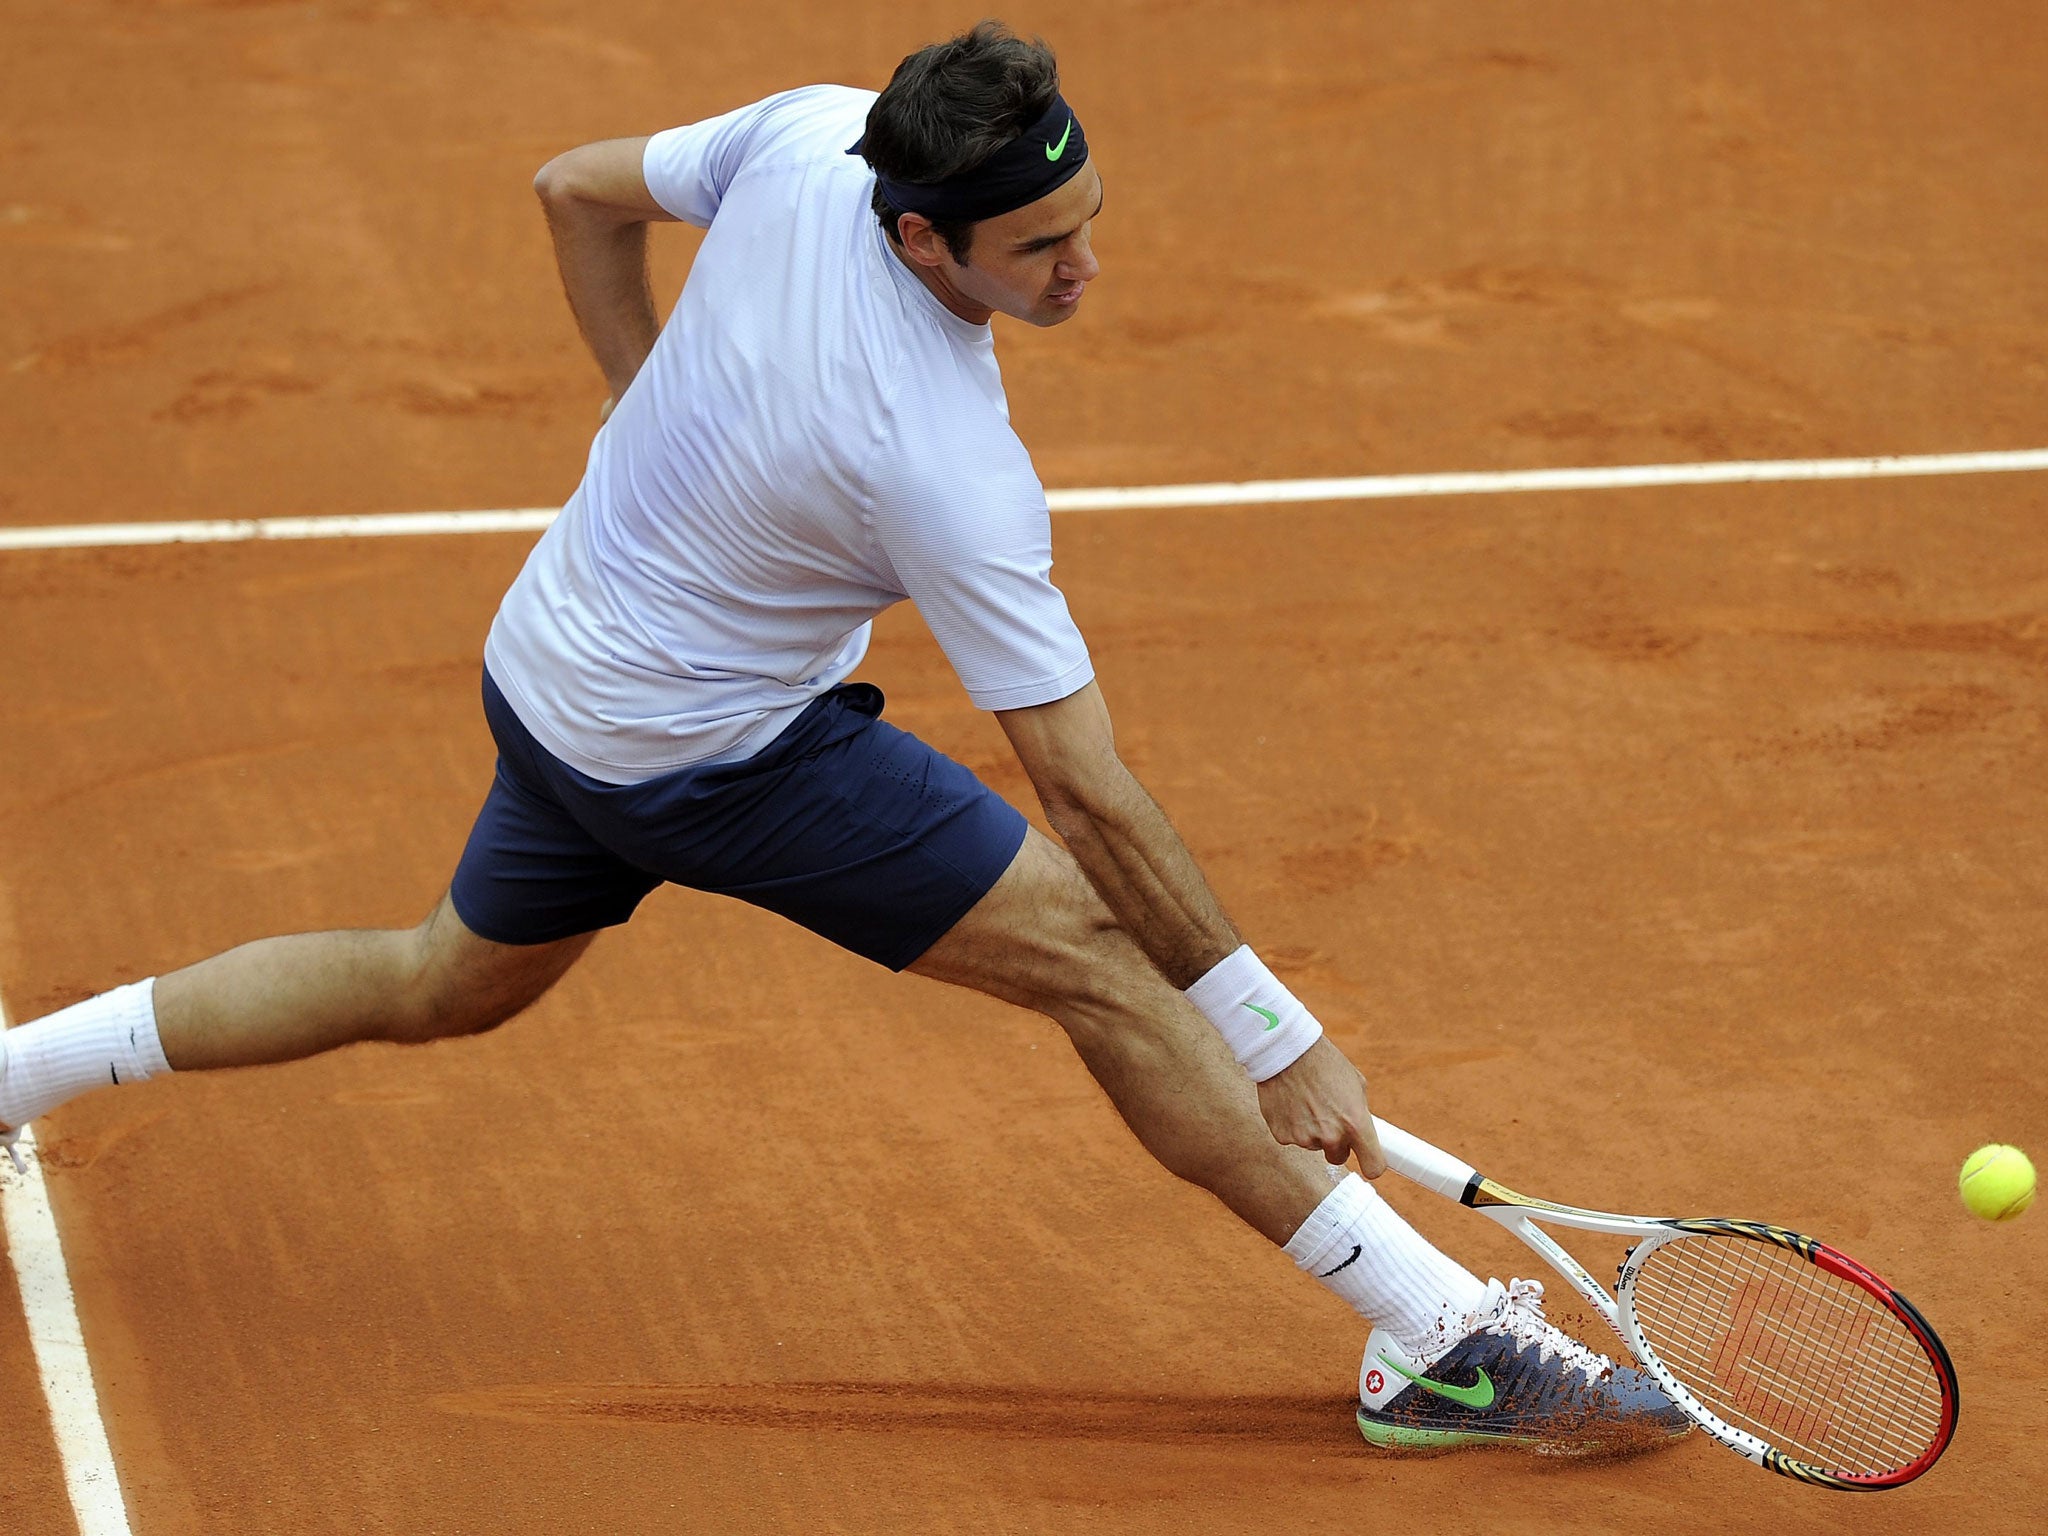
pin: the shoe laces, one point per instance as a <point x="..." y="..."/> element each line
<point x="1517" y="1311"/>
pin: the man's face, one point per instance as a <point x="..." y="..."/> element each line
<point x="1030" y="264"/>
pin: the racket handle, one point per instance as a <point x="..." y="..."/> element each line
<point x="1416" y="1160"/>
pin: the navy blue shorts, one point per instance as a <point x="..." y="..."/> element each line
<point x="843" y="823"/>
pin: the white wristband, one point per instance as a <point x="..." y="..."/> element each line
<point x="1264" y="1024"/>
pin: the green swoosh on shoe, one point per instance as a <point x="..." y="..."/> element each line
<point x="1478" y="1395"/>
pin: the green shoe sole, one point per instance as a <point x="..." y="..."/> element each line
<point x="1400" y="1437"/>
<point x="1403" y="1437"/>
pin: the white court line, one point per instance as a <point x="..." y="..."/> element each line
<point x="59" y="1344"/>
<point x="1235" y="493"/>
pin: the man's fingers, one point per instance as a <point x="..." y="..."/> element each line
<point x="1365" y="1141"/>
<point x="1326" y="1112"/>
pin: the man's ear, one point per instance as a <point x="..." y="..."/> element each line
<point x="921" y="242"/>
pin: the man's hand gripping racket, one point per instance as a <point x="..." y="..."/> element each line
<point x="1319" y="1103"/>
<point x="1781" y="1348"/>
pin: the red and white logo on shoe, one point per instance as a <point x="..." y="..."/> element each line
<point x="1374" y="1381"/>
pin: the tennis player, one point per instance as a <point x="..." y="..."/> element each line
<point x="818" y="432"/>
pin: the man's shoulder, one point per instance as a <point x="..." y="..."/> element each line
<point x="812" y="121"/>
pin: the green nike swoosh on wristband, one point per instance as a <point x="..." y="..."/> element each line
<point x="1272" y="1019"/>
<point x="1478" y="1395"/>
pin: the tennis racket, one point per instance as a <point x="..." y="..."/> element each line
<point x="1781" y="1348"/>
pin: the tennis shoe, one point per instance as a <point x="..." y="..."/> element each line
<point x="1513" y="1379"/>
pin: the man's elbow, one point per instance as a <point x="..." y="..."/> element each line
<point x="602" y="182"/>
<point x="555" y="183"/>
<point x="584" y="177"/>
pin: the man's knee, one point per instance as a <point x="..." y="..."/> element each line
<point x="1100" y="987"/>
<point x="1104" y="961"/>
<point x="434" y="1010"/>
<point x="460" y="984"/>
<point x="1042" y="938"/>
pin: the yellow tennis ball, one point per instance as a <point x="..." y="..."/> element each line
<point x="1997" y="1182"/>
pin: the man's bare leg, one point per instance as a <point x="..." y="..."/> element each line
<point x="278" y="1000"/>
<point x="286" y="998"/>
<point x="1044" y="940"/>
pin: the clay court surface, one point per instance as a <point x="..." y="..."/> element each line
<point x="1668" y="850"/>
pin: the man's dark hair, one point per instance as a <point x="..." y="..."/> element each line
<point x="949" y="107"/>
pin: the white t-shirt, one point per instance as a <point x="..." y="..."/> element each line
<point x="814" y="438"/>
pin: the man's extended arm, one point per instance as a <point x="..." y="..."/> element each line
<point x="598" y="209"/>
<point x="1144" y="872"/>
<point x="1120" y="836"/>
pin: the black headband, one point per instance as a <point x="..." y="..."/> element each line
<point x="1042" y="159"/>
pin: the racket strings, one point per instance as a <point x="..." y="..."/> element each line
<point x="1806" y="1361"/>
<point x="1820" y="1379"/>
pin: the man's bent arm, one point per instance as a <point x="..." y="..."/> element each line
<point x="598" y="209"/>
<point x="1150" y="881"/>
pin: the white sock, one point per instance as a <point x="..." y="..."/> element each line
<point x="103" y="1041"/>
<point x="1358" y="1245"/>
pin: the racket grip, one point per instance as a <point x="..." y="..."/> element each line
<point x="1417" y="1161"/>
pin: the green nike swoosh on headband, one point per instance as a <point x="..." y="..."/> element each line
<point x="1054" y="151"/>
<point x="1272" y="1019"/>
<point x="1478" y="1395"/>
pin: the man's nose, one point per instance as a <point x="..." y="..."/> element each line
<point x="1081" y="266"/>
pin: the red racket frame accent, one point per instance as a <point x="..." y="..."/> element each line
<point x="1840" y="1265"/>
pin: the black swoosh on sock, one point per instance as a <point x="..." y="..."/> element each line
<point x="1356" y="1250"/>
